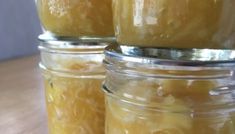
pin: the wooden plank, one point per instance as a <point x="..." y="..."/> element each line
<point x="22" y="104"/>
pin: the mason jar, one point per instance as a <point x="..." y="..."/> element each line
<point x="169" y="91"/>
<point x="76" y="18"/>
<point x="175" y="24"/>
<point x="73" y="74"/>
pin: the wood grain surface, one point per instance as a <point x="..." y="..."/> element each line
<point x="22" y="105"/>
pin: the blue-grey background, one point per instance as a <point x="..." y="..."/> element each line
<point x="19" y="28"/>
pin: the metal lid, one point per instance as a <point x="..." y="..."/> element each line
<point x="172" y="57"/>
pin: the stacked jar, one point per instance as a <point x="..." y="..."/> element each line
<point x="172" y="69"/>
<point x="171" y="72"/>
<point x="75" y="35"/>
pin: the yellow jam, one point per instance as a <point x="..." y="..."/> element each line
<point x="167" y="106"/>
<point x="76" y="18"/>
<point x="75" y="104"/>
<point x="175" y="23"/>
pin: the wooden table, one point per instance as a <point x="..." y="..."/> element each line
<point x="22" y="105"/>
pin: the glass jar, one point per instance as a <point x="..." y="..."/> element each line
<point x="73" y="74"/>
<point x="76" y="18"/>
<point x="175" y="24"/>
<point x="162" y="91"/>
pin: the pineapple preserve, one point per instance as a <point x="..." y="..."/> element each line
<point x="73" y="74"/>
<point x="156" y="91"/>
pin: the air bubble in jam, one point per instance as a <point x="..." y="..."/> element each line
<point x="58" y="7"/>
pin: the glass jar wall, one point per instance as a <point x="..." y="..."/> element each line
<point x="147" y="95"/>
<point x="76" y="18"/>
<point x="175" y="24"/>
<point x="73" y="74"/>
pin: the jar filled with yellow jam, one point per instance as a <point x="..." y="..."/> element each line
<point x="73" y="74"/>
<point x="175" y="23"/>
<point x="76" y="18"/>
<point x="148" y="91"/>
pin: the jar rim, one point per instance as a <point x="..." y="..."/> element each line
<point x="51" y="44"/>
<point x="203" y="58"/>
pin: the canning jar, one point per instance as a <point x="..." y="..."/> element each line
<point x="175" y="24"/>
<point x="76" y="18"/>
<point x="73" y="74"/>
<point x="160" y="91"/>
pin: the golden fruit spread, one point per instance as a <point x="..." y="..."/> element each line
<point x="175" y="23"/>
<point x="76" y="18"/>
<point x="75" y="104"/>
<point x="168" y="106"/>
